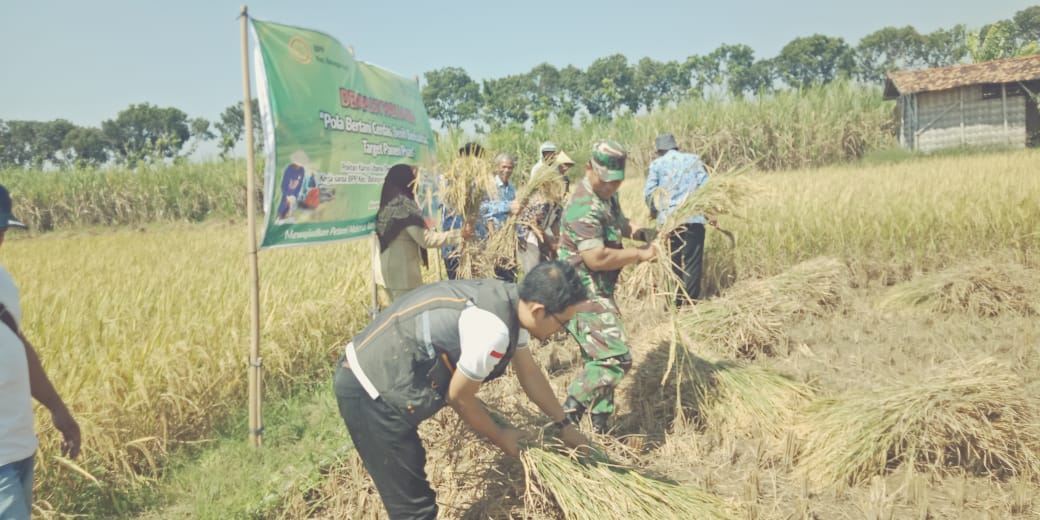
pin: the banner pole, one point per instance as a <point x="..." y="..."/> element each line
<point x="256" y="428"/>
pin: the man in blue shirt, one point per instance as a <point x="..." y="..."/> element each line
<point x="679" y="174"/>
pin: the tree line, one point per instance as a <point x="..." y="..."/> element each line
<point x="140" y="134"/>
<point x="145" y="134"/>
<point x="611" y="85"/>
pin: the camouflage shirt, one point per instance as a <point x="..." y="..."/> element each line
<point x="590" y="222"/>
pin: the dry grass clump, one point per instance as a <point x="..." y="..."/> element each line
<point x="977" y="417"/>
<point x="724" y="194"/>
<point x="594" y="490"/>
<point x="981" y="287"/>
<point x="749" y="319"/>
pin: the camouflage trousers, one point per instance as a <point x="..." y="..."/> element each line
<point x="604" y="347"/>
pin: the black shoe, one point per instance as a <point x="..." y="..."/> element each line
<point x="573" y="410"/>
<point x="601" y="422"/>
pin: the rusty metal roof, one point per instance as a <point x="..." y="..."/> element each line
<point x="903" y="82"/>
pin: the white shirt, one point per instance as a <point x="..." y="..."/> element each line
<point x="483" y="341"/>
<point x="17" y="438"/>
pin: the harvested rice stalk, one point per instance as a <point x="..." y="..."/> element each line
<point x="749" y="319"/>
<point x="464" y="187"/>
<point x="752" y="401"/>
<point x="547" y="185"/>
<point x="594" y="490"/>
<point x="978" y="418"/>
<point x="725" y="194"/>
<point x="982" y="287"/>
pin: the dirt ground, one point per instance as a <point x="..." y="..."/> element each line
<point x="854" y="347"/>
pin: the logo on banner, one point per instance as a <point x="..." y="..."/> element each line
<point x="300" y="50"/>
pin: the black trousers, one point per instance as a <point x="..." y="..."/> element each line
<point x="687" y="243"/>
<point x="390" y="448"/>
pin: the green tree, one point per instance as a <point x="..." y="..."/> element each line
<point x="813" y="60"/>
<point x="232" y="125"/>
<point x="572" y="81"/>
<point x="1027" y="25"/>
<point x="507" y="100"/>
<point x="33" y="144"/>
<point x="888" y="49"/>
<point x="607" y="87"/>
<point x="997" y="41"/>
<point x="546" y="96"/>
<point x="85" y="147"/>
<point x="146" y="133"/>
<point x="704" y="72"/>
<point x="735" y="68"/>
<point x="944" y="47"/>
<point x="451" y="96"/>
<point x="652" y="81"/>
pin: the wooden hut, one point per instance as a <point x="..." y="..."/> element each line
<point x="993" y="103"/>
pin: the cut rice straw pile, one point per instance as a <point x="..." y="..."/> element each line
<point x="978" y="418"/>
<point x="588" y="490"/>
<point x="724" y="194"/>
<point x="749" y="319"/>
<point x="983" y="288"/>
<point x="728" y="399"/>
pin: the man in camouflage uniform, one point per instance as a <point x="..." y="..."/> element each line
<point x="593" y="225"/>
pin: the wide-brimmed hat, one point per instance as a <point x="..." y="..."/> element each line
<point x="7" y="219"/>
<point x="563" y="159"/>
<point x="665" y="142"/>
<point x="608" y="160"/>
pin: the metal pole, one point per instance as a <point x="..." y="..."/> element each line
<point x="256" y="428"/>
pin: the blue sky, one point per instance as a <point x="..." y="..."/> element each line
<point x="86" y="60"/>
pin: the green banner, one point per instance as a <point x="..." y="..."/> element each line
<point x="333" y="127"/>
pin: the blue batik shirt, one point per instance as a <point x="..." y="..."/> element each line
<point x="496" y="209"/>
<point x="679" y="174"/>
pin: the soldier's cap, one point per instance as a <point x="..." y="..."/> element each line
<point x="608" y="160"/>
<point x="547" y="146"/>
<point x="6" y="218"/>
<point x="665" y="142"/>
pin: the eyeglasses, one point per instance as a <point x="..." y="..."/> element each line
<point x="563" y="324"/>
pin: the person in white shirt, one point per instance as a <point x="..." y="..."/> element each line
<point x="436" y="346"/>
<point x="22" y="378"/>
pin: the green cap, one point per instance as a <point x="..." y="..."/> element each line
<point x="608" y="159"/>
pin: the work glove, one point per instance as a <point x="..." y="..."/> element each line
<point x="645" y="234"/>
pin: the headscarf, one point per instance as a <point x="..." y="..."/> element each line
<point x="397" y="207"/>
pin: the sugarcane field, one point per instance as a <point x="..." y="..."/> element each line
<point x="719" y="286"/>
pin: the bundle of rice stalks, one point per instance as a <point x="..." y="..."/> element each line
<point x="978" y="418"/>
<point x="749" y="319"/>
<point x="586" y="489"/>
<point x="982" y="287"/>
<point x="725" y="398"/>
<point x="547" y="185"/>
<point x="725" y="194"/>
<point x="752" y="402"/>
<point x="464" y="187"/>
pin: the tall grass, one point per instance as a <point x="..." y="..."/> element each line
<point x="146" y="335"/>
<point x="104" y="197"/>
<point x="835" y="123"/>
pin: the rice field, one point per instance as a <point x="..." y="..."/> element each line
<point x="144" y="331"/>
